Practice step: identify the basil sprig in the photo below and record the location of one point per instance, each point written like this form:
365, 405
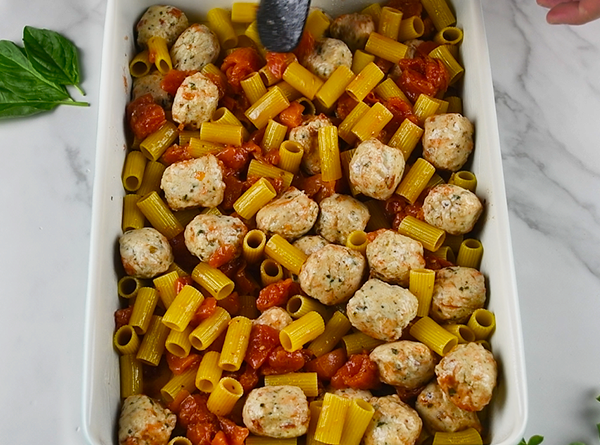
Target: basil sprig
34, 78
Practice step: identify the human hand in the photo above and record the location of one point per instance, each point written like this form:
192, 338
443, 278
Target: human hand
571, 12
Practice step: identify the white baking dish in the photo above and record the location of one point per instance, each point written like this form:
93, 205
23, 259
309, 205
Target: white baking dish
101, 400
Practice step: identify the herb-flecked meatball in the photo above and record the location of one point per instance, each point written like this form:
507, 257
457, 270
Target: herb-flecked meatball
145, 252
277, 411
310, 243
327, 56
332, 274
468, 375
447, 140
306, 135
207, 235
353, 29
394, 423
457, 292
144, 422
150, 84
195, 48
452, 209
195, 101
161, 21
341, 215
382, 310
408, 364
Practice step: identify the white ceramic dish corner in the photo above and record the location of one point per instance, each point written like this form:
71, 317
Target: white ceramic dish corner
101, 380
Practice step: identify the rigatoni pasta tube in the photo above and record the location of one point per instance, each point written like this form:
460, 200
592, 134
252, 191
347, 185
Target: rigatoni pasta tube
358, 417
389, 22
153, 344
332, 418
306, 381
264, 170
431, 237
223, 398
454, 69
317, 23
133, 218
128, 286
374, 10
197, 147
253, 246
209, 329
470, 253
267, 107
179, 440
373, 121
411, 28
209, 372
464, 179
300, 305
285, 254
178, 343
220, 23
140, 65
290, 156
450, 35
386, 48
302, 80
183, 308
427, 331
222, 133
253, 86
159, 215
445, 253
301, 331
152, 176
334, 87
415, 180
335, 329
424, 107
133, 170
274, 135
463, 333
358, 342
183, 381
360, 60
482, 322
243, 12
421, 282
126, 340
236, 344
470, 436
213, 280
143, 308
406, 137
248, 307
132, 375
158, 53
365, 81
156, 143
253, 199
440, 13
329, 152
270, 272
345, 128
165, 285
388, 89
357, 240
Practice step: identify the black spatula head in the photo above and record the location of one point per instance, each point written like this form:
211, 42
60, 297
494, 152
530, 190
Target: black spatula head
281, 22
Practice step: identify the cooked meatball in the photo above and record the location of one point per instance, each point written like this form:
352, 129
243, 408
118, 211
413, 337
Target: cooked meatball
194, 183
307, 136
440, 414
391, 257
145, 252
150, 84
291, 215
452, 208
468, 374
394, 423
408, 364
341, 215
144, 422
195, 48
206, 235
310, 244
276, 317
276, 411
382, 310
162, 21
376, 169
195, 101
457, 292
447, 140
332, 274
353, 29
327, 56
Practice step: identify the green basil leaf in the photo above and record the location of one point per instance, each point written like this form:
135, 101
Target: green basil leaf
52, 55
18, 76
12, 105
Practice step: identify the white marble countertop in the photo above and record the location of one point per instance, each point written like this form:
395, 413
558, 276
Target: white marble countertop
547, 86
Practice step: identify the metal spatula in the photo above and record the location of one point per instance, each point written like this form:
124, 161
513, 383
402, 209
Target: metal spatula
281, 22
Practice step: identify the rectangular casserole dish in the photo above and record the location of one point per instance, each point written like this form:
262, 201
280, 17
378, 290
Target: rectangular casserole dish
101, 400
